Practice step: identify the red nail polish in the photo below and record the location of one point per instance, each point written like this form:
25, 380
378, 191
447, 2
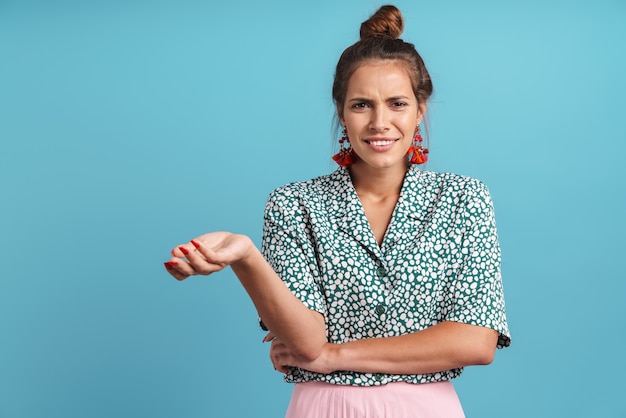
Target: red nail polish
184, 250
173, 263
195, 243
168, 265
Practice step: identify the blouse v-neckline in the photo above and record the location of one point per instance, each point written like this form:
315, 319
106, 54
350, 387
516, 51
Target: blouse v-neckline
400, 225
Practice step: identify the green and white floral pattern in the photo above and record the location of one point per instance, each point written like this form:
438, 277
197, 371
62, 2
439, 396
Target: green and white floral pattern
439, 261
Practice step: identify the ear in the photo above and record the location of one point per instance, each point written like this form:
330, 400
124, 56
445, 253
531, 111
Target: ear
340, 115
421, 111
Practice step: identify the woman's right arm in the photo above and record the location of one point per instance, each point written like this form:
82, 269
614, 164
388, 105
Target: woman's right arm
298, 327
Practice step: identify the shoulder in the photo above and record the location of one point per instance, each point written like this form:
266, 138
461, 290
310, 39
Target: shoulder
312, 189
445, 195
454, 188
451, 181
306, 202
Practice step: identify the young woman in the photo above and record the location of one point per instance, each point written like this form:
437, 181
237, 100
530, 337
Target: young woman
380, 281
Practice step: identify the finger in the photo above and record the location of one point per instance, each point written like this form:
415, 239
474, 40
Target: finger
209, 254
177, 252
282, 369
190, 246
281, 364
278, 361
277, 347
183, 267
171, 267
199, 262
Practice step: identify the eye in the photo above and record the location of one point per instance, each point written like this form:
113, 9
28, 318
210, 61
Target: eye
399, 104
359, 105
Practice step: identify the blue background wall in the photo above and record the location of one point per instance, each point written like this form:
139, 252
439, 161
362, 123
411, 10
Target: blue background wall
127, 127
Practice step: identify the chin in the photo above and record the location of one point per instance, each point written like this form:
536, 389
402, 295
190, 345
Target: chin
384, 164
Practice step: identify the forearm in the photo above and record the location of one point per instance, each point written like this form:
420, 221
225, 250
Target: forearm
301, 329
445, 346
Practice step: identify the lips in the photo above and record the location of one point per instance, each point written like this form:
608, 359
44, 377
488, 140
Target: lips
380, 144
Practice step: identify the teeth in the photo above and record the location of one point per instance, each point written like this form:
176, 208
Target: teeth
381, 143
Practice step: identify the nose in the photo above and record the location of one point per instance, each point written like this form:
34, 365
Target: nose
380, 120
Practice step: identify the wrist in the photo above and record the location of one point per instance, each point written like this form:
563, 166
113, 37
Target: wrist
248, 254
333, 356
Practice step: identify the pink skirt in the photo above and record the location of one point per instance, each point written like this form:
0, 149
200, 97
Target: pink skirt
396, 400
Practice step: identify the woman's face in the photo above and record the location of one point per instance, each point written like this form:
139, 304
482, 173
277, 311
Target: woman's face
380, 114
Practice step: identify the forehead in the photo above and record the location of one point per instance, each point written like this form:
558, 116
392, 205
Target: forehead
378, 76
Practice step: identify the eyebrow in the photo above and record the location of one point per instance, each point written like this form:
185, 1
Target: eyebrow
359, 99
390, 99
398, 98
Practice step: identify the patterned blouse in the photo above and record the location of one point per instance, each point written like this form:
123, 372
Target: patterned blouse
439, 261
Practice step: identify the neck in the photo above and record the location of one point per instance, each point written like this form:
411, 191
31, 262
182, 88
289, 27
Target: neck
378, 182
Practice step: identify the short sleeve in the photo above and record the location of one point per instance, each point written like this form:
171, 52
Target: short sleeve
288, 247
478, 297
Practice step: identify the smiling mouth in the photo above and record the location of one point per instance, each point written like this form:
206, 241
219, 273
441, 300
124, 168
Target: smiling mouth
380, 142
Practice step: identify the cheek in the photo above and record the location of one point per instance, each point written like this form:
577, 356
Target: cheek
411, 124
353, 124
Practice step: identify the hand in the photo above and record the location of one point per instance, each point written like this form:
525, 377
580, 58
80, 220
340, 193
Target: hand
208, 254
282, 358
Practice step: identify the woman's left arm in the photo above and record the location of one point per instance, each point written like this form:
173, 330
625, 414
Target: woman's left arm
447, 345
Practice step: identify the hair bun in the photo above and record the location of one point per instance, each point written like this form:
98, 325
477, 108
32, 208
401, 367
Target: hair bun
387, 21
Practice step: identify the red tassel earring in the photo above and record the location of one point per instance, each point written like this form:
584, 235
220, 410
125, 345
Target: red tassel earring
344, 156
419, 154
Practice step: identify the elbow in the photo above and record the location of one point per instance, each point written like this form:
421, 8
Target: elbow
483, 352
484, 356
308, 353
310, 347
482, 349
307, 356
